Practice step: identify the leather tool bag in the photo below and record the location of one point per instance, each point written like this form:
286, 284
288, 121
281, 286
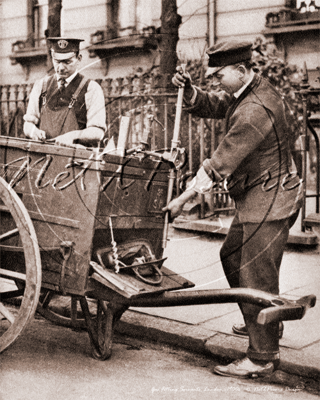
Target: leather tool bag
135, 256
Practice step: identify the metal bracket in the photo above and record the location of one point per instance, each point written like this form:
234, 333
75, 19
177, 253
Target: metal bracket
66, 249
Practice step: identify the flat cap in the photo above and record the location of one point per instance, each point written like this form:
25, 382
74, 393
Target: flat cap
64, 48
229, 53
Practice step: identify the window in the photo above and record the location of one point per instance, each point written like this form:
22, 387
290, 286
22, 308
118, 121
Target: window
129, 27
33, 47
38, 17
134, 16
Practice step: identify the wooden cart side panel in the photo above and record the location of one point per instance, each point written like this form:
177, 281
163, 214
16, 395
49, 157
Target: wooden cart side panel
71, 195
61, 199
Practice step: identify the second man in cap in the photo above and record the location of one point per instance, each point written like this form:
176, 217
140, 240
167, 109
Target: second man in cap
254, 159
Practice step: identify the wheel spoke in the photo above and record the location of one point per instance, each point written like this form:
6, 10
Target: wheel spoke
74, 309
12, 274
11, 294
9, 234
20, 264
68, 315
6, 313
46, 299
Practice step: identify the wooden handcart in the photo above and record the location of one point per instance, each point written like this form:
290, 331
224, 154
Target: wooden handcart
88, 226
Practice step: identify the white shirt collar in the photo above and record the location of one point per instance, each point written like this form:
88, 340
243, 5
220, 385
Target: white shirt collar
243, 88
69, 79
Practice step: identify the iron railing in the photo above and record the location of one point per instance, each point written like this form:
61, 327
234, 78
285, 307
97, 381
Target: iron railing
140, 98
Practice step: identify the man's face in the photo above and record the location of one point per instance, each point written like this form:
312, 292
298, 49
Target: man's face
229, 79
65, 68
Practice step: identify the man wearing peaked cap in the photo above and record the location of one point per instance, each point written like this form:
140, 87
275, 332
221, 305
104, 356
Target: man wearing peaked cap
227, 53
66, 107
254, 159
64, 48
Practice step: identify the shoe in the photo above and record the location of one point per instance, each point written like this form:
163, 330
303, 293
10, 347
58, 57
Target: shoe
242, 330
244, 369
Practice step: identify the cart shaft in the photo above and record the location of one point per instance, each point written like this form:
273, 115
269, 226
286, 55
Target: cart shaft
274, 308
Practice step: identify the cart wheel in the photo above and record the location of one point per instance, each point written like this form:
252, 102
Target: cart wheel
20, 269
101, 328
102, 348
61, 310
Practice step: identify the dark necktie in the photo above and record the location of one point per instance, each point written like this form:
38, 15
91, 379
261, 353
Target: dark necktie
61, 84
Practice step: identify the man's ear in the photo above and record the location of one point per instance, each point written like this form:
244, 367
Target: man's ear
242, 70
79, 57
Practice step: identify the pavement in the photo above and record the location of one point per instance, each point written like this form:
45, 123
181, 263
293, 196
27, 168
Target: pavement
208, 328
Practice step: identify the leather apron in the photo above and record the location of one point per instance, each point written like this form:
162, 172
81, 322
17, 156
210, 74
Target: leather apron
56, 121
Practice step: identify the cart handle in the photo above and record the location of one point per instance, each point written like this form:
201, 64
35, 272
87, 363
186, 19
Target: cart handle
288, 311
274, 308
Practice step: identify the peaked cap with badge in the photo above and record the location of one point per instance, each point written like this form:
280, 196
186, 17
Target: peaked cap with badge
64, 48
227, 53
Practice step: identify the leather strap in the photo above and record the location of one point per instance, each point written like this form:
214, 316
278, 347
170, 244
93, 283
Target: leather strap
77, 92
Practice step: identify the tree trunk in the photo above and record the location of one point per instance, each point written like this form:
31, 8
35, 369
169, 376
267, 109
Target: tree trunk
54, 24
170, 22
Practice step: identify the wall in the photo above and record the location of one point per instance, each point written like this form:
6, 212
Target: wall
241, 19
12, 28
79, 18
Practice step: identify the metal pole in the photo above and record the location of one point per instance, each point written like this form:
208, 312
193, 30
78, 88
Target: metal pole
174, 145
305, 142
201, 133
190, 144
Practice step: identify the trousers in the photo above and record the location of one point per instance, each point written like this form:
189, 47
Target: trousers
251, 256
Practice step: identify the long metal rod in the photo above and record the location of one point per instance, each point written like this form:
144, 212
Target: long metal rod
317, 195
201, 134
174, 145
175, 139
305, 142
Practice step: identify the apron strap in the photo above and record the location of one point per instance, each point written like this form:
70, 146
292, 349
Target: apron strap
43, 95
74, 97
77, 92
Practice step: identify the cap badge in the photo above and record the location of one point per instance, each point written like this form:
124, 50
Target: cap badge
62, 44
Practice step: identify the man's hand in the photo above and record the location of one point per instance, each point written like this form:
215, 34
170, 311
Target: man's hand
38, 134
176, 205
67, 139
183, 79
34, 133
174, 208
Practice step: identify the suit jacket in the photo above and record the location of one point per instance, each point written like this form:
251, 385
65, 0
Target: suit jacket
254, 154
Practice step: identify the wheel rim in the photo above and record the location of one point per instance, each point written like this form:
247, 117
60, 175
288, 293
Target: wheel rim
27, 276
61, 310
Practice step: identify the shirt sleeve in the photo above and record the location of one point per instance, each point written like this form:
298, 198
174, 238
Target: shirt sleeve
201, 183
33, 112
95, 104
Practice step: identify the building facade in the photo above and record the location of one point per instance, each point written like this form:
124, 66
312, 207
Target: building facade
123, 37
